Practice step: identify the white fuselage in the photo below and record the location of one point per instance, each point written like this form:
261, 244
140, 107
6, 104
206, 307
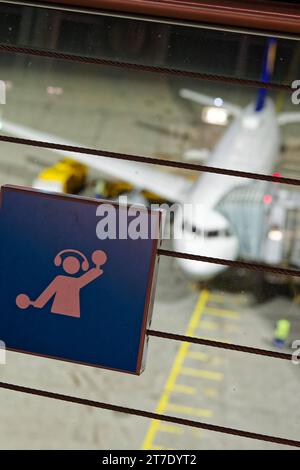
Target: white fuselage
250, 144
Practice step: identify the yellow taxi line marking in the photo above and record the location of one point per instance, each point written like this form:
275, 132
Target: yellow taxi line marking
222, 313
184, 389
188, 410
161, 448
177, 364
202, 374
169, 428
208, 325
216, 361
232, 300
229, 328
211, 392
197, 355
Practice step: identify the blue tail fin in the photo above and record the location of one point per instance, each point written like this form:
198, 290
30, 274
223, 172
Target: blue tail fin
267, 71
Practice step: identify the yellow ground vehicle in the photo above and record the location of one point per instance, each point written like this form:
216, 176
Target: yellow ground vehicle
113, 189
116, 188
65, 176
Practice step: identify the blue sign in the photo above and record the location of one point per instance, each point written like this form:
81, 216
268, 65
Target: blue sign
67, 291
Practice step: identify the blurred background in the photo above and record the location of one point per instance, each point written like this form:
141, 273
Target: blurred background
134, 112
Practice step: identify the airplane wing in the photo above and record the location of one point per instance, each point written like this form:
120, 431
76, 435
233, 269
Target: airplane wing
206, 100
288, 118
143, 176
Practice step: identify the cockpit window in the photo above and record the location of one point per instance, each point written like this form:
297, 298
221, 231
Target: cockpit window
212, 233
217, 233
206, 233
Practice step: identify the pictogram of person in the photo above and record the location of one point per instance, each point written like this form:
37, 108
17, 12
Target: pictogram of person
66, 289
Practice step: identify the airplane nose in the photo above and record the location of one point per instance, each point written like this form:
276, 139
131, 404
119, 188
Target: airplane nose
198, 270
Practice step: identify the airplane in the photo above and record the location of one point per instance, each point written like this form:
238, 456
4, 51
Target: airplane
251, 143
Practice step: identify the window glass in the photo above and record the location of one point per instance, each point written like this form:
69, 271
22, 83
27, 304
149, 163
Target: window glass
210, 122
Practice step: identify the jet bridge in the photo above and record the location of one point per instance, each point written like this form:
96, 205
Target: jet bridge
266, 220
